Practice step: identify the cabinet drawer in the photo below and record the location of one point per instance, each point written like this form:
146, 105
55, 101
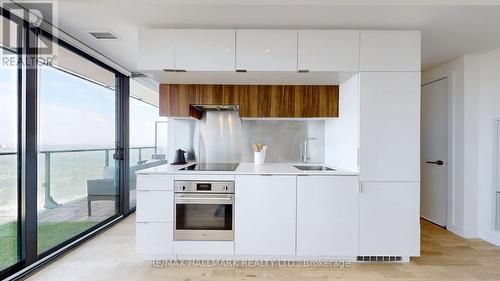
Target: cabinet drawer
204, 248
155, 182
155, 206
154, 238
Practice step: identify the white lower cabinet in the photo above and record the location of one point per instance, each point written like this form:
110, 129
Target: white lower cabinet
265, 213
327, 214
155, 182
154, 238
389, 221
204, 248
155, 206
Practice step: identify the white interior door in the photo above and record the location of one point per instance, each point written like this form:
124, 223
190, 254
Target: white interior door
434, 152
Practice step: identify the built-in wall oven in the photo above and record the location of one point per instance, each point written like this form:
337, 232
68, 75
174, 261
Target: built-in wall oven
204, 210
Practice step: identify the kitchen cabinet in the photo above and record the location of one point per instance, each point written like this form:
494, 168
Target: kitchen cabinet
155, 182
205, 50
390, 51
265, 215
156, 49
255, 101
154, 238
155, 206
389, 219
328, 50
266, 50
278, 50
289, 101
204, 248
216, 94
175, 100
320, 101
327, 215
389, 126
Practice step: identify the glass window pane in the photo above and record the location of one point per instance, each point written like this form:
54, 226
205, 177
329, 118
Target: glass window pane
145, 151
77, 187
8, 152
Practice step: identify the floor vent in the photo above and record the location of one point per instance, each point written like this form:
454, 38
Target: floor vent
379, 258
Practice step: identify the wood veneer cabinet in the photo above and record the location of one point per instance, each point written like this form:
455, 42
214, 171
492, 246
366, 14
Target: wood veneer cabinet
255, 101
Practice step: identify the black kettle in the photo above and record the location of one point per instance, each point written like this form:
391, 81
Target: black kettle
180, 158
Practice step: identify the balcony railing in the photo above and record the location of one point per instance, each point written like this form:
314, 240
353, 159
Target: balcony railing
49, 202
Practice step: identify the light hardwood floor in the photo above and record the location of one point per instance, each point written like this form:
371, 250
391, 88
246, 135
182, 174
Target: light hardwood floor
111, 256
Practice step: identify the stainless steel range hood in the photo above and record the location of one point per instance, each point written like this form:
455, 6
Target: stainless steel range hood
216, 107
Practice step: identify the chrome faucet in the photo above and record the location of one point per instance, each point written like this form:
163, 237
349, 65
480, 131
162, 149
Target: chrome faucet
305, 152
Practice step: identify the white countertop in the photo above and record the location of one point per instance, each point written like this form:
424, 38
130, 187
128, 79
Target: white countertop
250, 169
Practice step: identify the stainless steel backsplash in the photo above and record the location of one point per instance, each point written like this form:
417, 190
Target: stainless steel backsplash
181, 135
284, 139
220, 137
223, 137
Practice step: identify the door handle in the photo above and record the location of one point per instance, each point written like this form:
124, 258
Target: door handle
438, 162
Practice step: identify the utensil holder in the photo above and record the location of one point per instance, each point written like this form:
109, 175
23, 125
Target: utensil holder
259, 157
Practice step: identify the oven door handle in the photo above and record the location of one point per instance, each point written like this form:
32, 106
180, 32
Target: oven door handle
189, 199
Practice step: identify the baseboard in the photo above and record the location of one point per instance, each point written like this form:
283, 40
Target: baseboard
492, 237
460, 232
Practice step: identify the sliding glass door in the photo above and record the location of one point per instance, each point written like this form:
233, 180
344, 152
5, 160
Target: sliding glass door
148, 133
9, 196
63, 133
77, 176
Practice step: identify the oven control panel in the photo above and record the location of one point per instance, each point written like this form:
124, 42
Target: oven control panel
204, 186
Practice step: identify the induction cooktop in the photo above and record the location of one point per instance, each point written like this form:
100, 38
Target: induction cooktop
220, 167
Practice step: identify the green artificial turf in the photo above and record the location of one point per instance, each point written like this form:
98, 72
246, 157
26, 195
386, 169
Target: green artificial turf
50, 234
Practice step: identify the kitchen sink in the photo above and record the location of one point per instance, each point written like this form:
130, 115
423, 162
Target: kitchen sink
313, 168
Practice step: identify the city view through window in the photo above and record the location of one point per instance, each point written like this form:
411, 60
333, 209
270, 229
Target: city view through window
77, 184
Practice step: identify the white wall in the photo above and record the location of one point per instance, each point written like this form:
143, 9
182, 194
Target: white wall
341, 134
489, 110
474, 88
462, 205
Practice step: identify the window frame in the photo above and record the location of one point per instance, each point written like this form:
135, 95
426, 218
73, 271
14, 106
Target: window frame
29, 260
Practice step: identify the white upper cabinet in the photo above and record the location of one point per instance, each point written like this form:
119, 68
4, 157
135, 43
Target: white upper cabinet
156, 49
266, 50
390, 51
389, 126
328, 50
205, 50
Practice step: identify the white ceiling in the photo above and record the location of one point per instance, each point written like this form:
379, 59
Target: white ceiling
448, 31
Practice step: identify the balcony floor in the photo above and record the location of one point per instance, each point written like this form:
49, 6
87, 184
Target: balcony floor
76, 211
111, 256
